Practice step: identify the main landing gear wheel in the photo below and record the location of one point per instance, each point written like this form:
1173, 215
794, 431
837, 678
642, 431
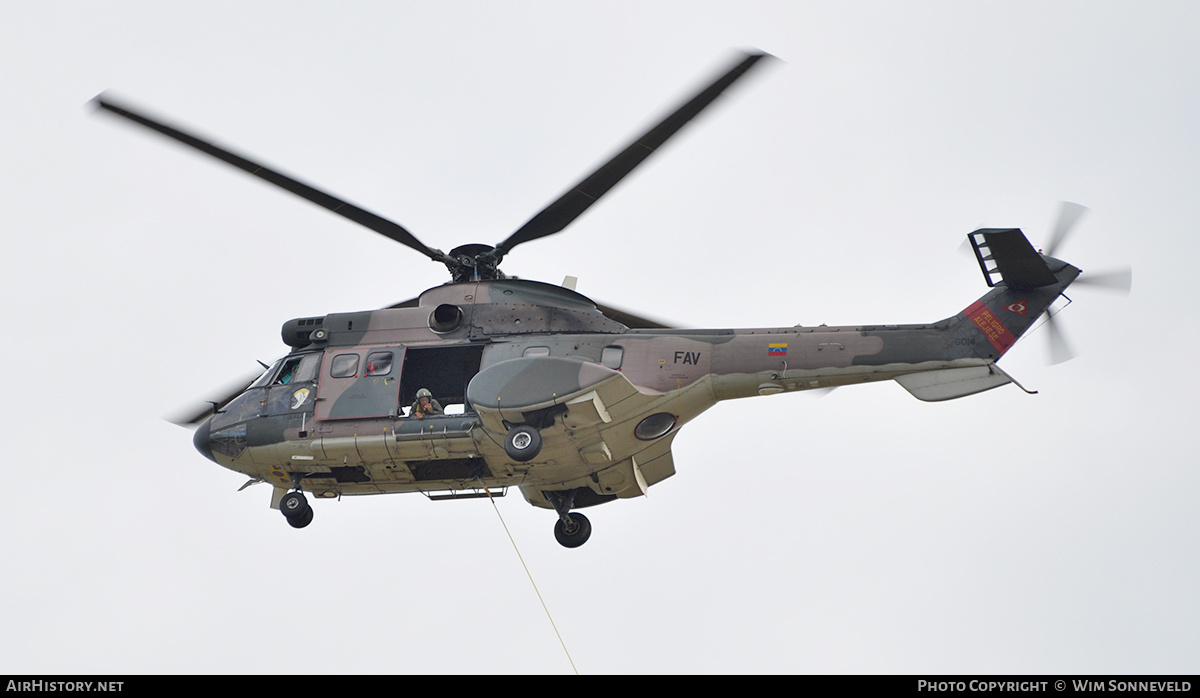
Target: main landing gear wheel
523, 443
296, 509
573, 530
301, 520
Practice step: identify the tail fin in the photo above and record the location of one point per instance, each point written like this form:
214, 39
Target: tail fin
1006, 252
1024, 283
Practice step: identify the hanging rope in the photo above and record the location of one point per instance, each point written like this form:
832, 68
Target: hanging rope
530, 575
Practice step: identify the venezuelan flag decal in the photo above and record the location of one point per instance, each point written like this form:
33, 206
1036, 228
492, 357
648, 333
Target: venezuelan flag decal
777, 349
991, 326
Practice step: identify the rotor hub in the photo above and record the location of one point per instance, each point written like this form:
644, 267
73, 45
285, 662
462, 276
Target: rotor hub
474, 262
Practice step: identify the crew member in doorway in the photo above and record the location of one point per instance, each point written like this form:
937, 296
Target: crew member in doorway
425, 406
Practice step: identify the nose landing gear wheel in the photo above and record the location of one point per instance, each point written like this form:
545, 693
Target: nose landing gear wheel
523, 443
574, 533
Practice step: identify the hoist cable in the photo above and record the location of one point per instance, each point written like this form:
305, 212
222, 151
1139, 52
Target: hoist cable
530, 575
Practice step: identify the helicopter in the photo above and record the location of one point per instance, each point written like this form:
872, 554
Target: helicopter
489, 382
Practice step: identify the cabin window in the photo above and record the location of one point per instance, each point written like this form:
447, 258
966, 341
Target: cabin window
611, 357
344, 366
379, 363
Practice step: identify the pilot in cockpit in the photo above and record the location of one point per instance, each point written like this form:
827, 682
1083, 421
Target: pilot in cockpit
425, 405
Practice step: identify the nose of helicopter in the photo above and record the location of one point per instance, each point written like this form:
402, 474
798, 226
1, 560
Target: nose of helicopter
202, 439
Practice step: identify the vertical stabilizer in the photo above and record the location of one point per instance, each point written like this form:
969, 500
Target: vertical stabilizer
1024, 283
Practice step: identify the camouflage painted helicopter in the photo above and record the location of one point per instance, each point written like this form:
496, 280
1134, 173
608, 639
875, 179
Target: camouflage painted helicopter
574, 403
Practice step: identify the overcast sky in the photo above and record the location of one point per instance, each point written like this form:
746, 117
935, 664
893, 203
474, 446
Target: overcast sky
863, 531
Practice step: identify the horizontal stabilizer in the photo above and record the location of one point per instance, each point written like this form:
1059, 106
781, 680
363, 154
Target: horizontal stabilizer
950, 383
1007, 254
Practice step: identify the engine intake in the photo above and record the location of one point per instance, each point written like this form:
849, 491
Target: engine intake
445, 318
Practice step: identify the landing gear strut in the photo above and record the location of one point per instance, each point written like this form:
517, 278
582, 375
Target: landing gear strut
296, 509
571, 530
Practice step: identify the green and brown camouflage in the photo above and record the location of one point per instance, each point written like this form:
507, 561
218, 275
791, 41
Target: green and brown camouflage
573, 403
330, 416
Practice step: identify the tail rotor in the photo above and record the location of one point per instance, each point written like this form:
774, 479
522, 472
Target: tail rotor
1059, 349
1120, 279
1068, 217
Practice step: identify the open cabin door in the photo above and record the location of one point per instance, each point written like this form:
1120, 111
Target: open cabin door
444, 371
359, 382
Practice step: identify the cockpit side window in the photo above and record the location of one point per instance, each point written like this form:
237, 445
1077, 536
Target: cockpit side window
307, 370
298, 369
266, 376
287, 374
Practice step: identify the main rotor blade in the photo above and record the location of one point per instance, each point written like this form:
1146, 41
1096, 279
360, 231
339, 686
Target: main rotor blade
343, 208
1068, 215
192, 416
570, 205
631, 320
624, 317
410, 303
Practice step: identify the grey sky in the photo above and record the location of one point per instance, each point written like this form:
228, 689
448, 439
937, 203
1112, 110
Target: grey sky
860, 532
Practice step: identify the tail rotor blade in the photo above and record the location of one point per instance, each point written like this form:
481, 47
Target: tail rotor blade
1068, 215
965, 248
1060, 350
1120, 280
